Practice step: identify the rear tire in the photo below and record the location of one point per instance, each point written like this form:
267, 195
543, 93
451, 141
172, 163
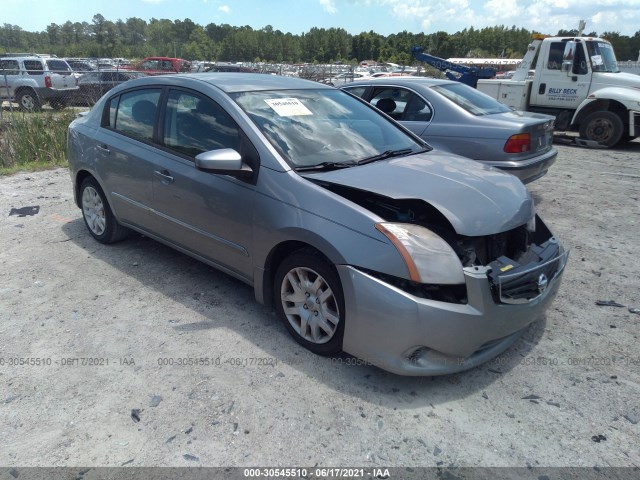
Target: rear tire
97, 214
309, 301
29, 101
604, 127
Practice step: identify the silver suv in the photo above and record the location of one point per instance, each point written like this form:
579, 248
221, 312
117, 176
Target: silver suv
32, 81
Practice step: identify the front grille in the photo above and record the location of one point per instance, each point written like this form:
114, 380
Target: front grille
525, 280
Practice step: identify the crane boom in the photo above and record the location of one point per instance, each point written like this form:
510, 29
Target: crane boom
454, 71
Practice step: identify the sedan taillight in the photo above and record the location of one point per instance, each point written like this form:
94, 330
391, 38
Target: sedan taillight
47, 82
518, 143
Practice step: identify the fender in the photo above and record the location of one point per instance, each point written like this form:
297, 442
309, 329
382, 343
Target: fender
629, 98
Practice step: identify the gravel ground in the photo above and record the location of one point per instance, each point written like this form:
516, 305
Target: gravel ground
110, 335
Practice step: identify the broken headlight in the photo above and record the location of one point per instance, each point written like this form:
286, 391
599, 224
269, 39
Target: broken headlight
429, 259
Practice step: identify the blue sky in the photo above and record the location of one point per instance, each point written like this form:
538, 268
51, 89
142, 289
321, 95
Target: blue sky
355, 16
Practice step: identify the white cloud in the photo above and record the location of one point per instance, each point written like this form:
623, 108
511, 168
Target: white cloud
329, 6
503, 10
545, 16
429, 15
224, 9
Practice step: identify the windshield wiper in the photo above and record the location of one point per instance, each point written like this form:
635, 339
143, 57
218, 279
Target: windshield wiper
326, 166
386, 154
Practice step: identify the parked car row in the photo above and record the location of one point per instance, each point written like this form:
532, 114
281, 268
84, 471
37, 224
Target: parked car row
33, 81
364, 238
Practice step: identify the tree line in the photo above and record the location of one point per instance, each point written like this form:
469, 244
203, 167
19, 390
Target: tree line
137, 38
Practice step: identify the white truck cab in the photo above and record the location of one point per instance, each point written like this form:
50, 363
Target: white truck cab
576, 79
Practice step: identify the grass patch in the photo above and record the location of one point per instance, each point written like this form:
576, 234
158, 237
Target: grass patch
33, 141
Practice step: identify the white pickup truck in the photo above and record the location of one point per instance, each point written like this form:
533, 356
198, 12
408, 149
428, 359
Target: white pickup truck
577, 80
33, 80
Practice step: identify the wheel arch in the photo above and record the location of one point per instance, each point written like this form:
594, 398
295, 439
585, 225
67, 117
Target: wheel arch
599, 105
26, 88
80, 177
264, 288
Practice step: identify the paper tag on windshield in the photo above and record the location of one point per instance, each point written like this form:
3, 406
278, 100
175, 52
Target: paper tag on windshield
596, 59
288, 107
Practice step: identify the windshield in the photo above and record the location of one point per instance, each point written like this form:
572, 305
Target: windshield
473, 101
314, 127
603, 59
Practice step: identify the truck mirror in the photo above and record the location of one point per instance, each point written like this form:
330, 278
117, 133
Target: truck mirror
567, 56
569, 50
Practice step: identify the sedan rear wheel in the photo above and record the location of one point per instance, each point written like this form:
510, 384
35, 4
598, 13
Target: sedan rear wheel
309, 301
97, 214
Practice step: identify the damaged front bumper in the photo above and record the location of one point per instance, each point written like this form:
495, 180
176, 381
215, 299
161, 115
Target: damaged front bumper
410, 335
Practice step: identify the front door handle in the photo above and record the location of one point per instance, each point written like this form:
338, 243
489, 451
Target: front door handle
164, 176
104, 148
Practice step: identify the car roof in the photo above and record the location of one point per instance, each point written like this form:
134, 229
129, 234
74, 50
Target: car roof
405, 81
165, 58
231, 82
28, 57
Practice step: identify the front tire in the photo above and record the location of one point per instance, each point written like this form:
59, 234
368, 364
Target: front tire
309, 301
58, 104
97, 214
604, 127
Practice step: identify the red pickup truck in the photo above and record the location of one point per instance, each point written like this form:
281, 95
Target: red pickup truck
161, 65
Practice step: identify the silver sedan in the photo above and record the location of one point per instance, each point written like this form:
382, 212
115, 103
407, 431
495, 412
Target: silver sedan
456, 118
364, 240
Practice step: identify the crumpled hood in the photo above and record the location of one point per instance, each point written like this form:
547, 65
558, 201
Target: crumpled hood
476, 199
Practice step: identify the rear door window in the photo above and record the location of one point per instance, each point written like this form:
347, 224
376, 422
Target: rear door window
401, 104
470, 99
34, 67
134, 113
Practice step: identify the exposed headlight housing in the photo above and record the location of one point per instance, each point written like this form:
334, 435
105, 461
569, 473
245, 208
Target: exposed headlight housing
429, 259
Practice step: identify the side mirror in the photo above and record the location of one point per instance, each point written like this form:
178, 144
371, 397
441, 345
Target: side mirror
224, 161
568, 55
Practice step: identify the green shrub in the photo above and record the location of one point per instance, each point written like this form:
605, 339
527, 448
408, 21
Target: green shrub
33, 141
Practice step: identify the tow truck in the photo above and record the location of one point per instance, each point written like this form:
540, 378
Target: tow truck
576, 79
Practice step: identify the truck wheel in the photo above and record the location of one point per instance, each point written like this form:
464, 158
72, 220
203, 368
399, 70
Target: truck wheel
28, 101
604, 127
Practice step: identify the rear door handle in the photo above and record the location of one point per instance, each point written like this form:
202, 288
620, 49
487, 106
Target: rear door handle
104, 148
164, 176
